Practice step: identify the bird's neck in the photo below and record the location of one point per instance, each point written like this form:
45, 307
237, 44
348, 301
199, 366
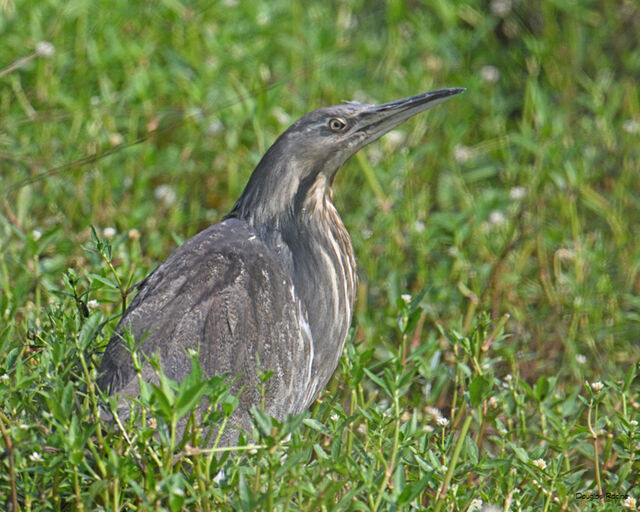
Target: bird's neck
324, 275
268, 199
293, 213
302, 226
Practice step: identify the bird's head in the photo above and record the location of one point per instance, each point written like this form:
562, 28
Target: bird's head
298, 170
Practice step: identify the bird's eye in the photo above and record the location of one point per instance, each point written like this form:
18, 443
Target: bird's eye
336, 124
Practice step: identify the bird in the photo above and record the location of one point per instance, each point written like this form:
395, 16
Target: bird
271, 287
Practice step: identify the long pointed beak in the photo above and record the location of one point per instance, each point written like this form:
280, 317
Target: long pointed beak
377, 120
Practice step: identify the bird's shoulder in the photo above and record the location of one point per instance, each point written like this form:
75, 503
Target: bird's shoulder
226, 254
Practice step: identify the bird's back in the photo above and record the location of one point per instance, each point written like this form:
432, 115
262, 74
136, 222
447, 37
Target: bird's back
229, 296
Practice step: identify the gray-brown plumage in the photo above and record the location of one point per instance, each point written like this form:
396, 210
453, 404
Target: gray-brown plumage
273, 283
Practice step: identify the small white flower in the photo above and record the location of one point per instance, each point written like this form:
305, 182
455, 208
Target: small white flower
366, 233
335, 416
444, 468
432, 411
93, 304
4, 377
453, 251
497, 218
517, 193
493, 402
215, 127
434, 63
419, 226
395, 138
442, 421
597, 386
500, 7
581, 359
24, 426
263, 18
109, 232
508, 378
36, 234
115, 139
374, 154
35, 457
345, 19
45, 49
166, 194
461, 153
475, 505
406, 298
629, 503
631, 126
633, 423
540, 463
565, 254
490, 74
133, 234
281, 116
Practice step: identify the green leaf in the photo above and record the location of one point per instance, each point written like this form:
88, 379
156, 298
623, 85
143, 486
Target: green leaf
94, 235
194, 376
62, 407
470, 450
103, 280
262, 420
229, 405
316, 425
495, 463
629, 377
479, 389
521, 453
412, 491
541, 389
399, 483
319, 451
89, 331
381, 383
187, 398
163, 399
245, 493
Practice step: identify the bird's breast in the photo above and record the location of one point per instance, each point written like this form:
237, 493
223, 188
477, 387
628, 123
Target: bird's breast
324, 277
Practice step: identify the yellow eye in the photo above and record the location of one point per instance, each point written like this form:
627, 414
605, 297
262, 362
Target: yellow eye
337, 124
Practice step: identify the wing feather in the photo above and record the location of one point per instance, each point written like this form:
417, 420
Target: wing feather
227, 295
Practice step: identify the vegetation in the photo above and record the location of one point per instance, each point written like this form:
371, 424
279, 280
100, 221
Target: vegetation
494, 351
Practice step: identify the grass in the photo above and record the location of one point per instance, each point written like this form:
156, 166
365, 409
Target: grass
494, 354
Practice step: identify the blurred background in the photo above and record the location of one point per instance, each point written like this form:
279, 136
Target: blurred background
520, 197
